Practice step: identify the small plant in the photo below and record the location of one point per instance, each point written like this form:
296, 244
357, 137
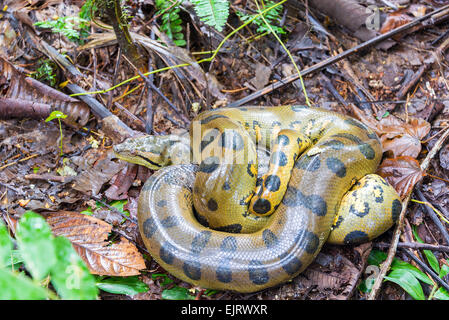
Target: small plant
57, 115
171, 21
46, 72
407, 276
74, 28
273, 17
47, 259
174, 293
87, 9
214, 13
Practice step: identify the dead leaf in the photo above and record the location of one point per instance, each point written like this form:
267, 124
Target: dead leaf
404, 139
395, 20
89, 238
402, 173
397, 136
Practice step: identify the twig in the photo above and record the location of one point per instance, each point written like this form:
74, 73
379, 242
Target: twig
397, 232
433, 216
21, 160
336, 58
415, 246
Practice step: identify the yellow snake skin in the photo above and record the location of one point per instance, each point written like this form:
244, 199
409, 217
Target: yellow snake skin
209, 217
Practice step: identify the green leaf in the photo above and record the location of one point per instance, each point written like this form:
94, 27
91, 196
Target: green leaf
36, 246
15, 286
408, 282
376, 257
177, 293
444, 270
122, 285
5, 246
15, 260
56, 115
166, 280
180, 42
433, 261
70, 276
441, 294
402, 265
212, 12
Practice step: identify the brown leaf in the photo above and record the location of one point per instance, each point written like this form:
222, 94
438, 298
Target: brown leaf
23, 96
404, 139
397, 136
395, 20
89, 238
402, 173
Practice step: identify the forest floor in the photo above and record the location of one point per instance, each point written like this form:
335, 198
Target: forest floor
399, 87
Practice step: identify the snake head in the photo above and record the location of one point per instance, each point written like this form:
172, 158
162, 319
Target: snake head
155, 152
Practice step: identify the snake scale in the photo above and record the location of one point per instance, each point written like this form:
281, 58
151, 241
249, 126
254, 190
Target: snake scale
217, 215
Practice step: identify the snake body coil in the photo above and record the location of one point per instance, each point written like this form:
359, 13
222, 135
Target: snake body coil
211, 225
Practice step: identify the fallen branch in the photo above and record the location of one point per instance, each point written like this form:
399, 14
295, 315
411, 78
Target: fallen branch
338, 57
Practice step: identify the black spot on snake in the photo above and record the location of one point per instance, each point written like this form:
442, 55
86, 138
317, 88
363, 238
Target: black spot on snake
224, 272
355, 123
209, 164
167, 253
212, 205
161, 203
201, 219
200, 241
231, 139
258, 273
269, 238
357, 212
290, 263
279, 158
282, 140
249, 169
336, 166
380, 197
261, 206
396, 209
308, 241
208, 138
295, 198
308, 163
213, 117
338, 223
356, 237
334, 144
272, 183
226, 186
229, 244
170, 222
149, 227
192, 269
231, 228
372, 135
316, 204
367, 151
348, 136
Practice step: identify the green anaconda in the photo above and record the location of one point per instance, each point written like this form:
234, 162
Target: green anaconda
210, 218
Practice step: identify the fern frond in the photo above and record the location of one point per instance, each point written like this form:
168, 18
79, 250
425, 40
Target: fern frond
212, 12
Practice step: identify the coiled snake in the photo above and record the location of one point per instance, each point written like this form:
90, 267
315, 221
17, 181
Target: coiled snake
211, 224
